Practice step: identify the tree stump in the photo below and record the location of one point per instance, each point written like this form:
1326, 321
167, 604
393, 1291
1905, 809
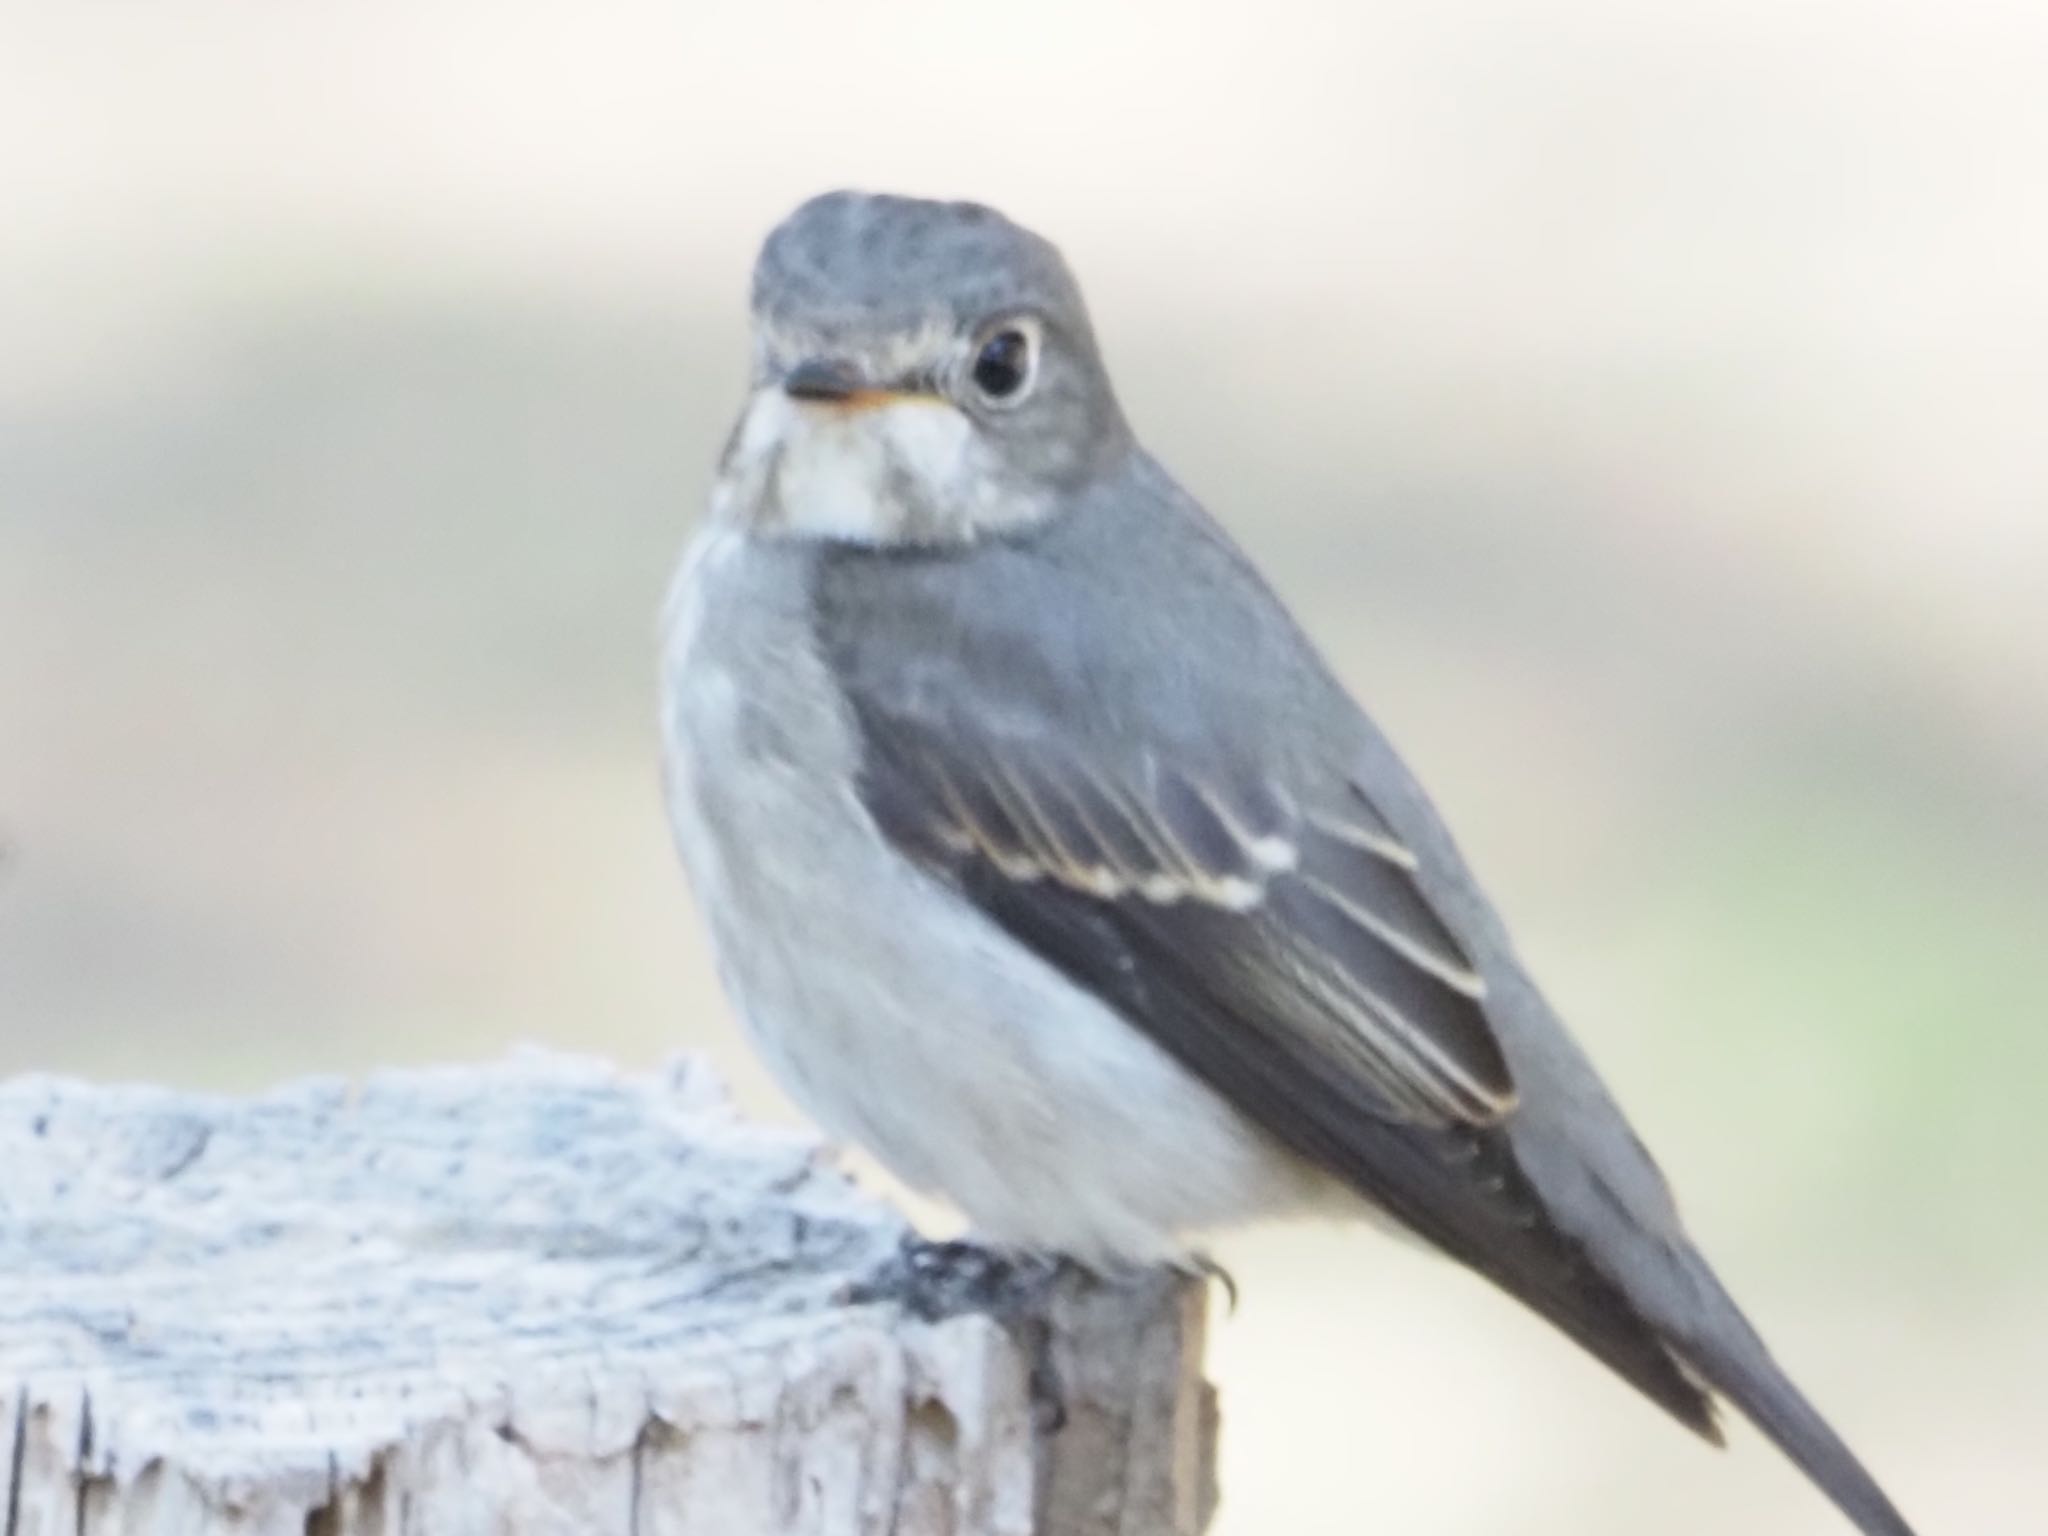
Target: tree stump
542, 1297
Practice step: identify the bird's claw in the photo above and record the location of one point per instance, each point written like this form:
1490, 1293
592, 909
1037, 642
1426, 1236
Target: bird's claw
1202, 1267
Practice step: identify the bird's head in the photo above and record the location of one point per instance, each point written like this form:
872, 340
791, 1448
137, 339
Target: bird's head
924, 373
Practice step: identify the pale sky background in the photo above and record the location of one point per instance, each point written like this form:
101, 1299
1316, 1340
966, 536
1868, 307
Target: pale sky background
1645, 404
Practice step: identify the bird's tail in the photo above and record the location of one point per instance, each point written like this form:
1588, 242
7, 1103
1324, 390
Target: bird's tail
1741, 1369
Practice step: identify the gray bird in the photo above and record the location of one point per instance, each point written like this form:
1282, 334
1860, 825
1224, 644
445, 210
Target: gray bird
1044, 857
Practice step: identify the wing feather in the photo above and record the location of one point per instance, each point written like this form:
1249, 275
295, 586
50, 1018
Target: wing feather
1314, 931
1243, 901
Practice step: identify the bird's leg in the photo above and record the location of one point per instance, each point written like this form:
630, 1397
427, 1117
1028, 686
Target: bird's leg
933, 1281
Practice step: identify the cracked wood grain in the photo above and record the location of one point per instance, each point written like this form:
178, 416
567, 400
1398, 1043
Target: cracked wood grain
539, 1296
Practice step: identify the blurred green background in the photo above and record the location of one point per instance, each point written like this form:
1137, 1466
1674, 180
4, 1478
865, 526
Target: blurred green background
1648, 407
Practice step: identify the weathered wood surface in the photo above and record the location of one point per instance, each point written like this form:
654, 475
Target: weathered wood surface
536, 1297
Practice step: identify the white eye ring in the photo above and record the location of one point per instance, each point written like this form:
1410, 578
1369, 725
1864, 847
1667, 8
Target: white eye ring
1004, 363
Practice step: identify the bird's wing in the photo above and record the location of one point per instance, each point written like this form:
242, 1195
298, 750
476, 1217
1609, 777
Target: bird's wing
1300, 920
1270, 935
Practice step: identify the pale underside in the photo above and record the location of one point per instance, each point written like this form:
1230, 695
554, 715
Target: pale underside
899, 1017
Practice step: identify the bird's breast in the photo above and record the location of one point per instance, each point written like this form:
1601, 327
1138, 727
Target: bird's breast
897, 1015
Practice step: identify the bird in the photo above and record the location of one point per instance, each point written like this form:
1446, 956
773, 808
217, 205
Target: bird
1044, 856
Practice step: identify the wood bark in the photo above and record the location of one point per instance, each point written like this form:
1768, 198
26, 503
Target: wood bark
541, 1296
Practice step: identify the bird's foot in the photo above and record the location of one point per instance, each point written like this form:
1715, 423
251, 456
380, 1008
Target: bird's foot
935, 1281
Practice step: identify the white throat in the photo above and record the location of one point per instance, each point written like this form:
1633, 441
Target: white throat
910, 470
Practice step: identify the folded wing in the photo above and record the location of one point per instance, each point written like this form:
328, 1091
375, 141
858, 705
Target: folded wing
1304, 920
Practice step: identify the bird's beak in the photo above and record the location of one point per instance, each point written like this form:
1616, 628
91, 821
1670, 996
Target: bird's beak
822, 379
837, 383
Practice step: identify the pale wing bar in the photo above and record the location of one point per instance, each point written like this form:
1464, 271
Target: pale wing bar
1329, 928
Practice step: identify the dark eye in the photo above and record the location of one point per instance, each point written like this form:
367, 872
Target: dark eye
1003, 365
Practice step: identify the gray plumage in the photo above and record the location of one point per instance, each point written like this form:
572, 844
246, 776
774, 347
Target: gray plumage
1044, 856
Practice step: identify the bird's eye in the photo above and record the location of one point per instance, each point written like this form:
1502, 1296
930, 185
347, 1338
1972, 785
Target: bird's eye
1002, 367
